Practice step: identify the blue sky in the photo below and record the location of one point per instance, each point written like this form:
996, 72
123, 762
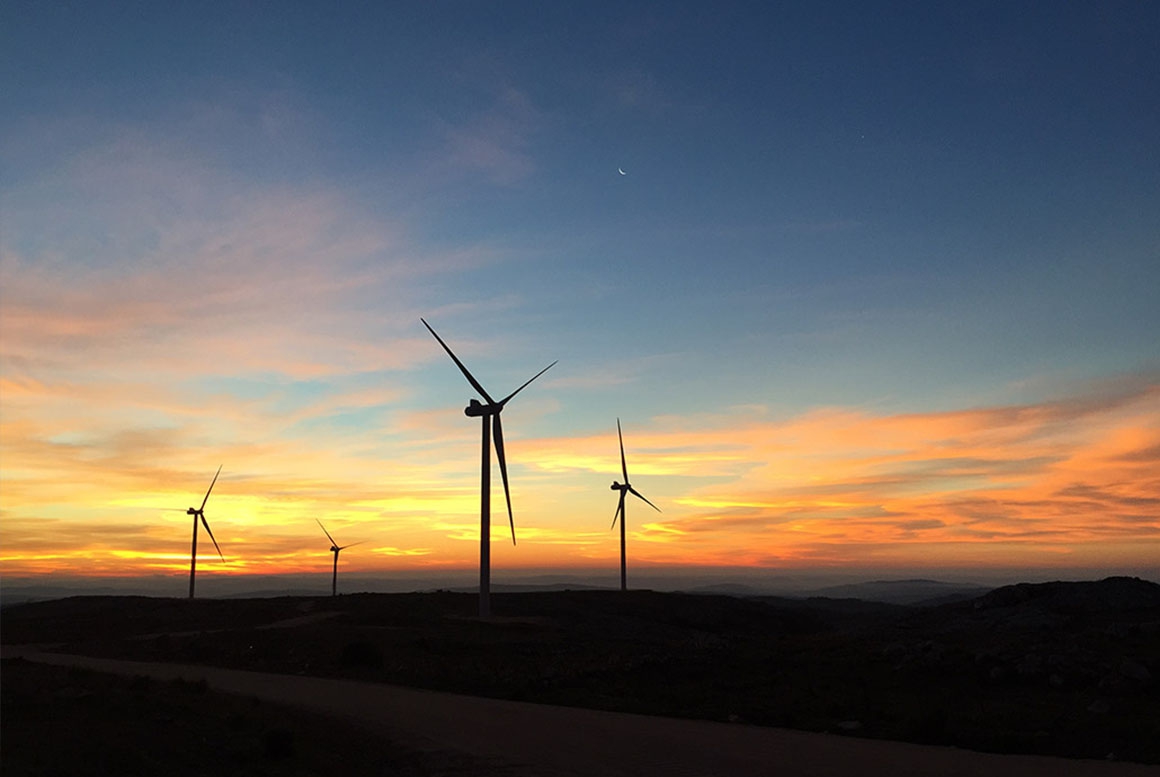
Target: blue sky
886, 208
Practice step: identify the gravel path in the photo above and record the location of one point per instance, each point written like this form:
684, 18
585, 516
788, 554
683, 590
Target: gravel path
518, 738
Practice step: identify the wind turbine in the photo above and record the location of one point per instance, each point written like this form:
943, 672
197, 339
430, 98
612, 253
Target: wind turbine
477, 409
334, 548
625, 489
198, 513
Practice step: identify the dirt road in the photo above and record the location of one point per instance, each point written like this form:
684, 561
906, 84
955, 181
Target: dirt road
548, 741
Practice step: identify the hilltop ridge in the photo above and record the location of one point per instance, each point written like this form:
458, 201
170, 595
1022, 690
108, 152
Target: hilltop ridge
1050, 668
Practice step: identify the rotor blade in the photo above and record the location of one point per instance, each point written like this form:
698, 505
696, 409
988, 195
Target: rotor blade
206, 525
623, 466
470, 378
497, 432
503, 401
619, 511
650, 504
324, 531
344, 547
215, 477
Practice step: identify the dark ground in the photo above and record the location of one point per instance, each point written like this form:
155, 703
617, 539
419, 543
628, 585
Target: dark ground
1059, 668
59, 721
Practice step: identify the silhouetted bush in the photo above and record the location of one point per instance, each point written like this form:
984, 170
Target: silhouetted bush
198, 686
361, 655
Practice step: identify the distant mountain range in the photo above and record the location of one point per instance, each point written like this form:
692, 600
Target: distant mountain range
909, 592
905, 591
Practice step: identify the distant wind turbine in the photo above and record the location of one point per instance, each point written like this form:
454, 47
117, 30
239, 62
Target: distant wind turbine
198, 514
334, 548
625, 489
477, 409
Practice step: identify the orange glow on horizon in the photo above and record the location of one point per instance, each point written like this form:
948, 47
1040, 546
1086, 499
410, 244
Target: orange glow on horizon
1065, 482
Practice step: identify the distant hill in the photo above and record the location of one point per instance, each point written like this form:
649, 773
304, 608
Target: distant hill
725, 589
908, 592
1065, 609
515, 588
1112, 594
1067, 669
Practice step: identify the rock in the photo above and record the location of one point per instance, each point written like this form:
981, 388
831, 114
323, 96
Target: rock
894, 650
1135, 671
1030, 666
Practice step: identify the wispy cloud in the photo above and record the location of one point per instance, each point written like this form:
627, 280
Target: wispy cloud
639, 90
1060, 476
1063, 476
177, 315
1060, 482
494, 142
183, 317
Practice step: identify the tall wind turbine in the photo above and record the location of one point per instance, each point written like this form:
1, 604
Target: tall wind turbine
477, 409
198, 514
625, 489
334, 548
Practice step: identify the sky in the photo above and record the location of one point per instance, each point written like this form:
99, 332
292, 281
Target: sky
869, 286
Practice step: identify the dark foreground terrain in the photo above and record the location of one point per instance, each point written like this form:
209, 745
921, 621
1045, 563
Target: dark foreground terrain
1059, 668
64, 721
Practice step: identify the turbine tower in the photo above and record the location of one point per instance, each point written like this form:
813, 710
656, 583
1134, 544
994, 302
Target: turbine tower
334, 548
625, 489
492, 409
198, 514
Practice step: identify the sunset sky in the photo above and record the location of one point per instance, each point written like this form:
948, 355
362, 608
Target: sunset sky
878, 288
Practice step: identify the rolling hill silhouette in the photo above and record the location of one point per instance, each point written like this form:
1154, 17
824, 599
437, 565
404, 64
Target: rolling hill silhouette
1054, 668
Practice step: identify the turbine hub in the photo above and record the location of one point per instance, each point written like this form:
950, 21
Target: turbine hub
476, 409
617, 487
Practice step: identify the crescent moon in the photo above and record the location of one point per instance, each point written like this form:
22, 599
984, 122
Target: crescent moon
619, 170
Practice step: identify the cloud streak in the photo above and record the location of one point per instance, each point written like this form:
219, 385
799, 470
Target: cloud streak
186, 317
1062, 477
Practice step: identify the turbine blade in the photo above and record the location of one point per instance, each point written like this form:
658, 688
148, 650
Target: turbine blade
619, 511
623, 465
497, 432
503, 401
324, 531
470, 378
344, 547
215, 477
208, 531
639, 494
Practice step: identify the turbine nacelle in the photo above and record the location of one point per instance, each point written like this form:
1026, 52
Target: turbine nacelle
616, 486
476, 409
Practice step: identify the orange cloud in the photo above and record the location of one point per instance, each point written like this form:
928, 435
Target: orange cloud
1067, 482
1070, 479
273, 332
